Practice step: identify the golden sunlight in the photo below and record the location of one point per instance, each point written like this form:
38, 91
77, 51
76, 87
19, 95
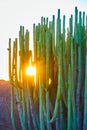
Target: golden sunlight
31, 70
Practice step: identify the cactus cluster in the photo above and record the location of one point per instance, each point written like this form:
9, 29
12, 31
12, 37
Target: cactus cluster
57, 100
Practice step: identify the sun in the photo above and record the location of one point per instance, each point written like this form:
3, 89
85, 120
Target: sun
31, 70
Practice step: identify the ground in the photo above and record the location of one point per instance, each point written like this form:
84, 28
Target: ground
5, 116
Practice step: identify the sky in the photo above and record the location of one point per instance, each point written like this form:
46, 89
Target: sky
14, 13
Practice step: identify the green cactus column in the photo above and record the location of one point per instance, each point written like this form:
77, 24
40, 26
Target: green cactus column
48, 58
14, 78
9, 58
85, 89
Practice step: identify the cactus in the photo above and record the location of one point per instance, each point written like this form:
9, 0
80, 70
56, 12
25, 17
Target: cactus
57, 99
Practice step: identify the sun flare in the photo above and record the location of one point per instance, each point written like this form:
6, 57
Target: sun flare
31, 70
